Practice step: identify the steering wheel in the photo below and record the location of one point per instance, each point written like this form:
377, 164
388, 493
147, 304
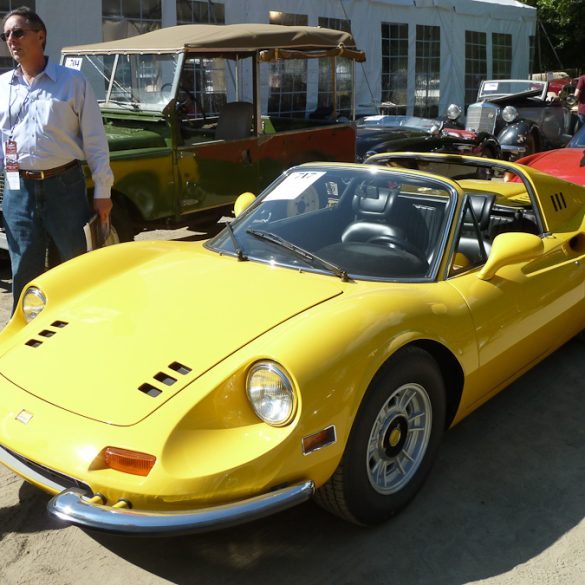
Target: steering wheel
398, 243
165, 92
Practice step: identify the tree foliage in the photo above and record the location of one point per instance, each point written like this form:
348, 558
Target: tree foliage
560, 38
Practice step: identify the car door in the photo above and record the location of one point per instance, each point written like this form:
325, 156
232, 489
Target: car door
524, 311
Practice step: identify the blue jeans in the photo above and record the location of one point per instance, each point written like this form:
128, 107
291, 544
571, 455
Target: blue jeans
56, 207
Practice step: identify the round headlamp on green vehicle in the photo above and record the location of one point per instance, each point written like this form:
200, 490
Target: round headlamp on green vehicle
509, 113
33, 302
271, 394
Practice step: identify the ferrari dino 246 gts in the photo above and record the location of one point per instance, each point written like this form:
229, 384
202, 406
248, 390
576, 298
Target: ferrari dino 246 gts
320, 345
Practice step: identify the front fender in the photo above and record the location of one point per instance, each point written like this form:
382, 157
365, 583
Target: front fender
515, 133
514, 138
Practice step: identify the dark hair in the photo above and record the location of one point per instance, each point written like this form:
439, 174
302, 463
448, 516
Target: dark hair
33, 19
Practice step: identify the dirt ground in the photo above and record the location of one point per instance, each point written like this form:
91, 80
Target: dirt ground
505, 505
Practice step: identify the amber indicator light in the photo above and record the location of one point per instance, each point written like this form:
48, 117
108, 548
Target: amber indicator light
127, 461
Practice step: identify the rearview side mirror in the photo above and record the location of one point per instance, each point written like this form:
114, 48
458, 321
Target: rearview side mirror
511, 248
242, 202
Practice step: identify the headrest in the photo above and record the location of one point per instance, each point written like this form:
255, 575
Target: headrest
482, 204
372, 202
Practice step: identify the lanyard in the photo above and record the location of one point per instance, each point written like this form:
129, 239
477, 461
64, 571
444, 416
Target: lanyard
10, 124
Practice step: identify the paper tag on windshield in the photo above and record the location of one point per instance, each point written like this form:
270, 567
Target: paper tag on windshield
490, 86
74, 62
294, 185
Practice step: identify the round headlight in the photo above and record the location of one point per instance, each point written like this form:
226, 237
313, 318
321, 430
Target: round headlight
270, 393
509, 113
33, 302
454, 111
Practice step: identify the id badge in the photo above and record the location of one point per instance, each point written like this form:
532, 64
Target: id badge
11, 166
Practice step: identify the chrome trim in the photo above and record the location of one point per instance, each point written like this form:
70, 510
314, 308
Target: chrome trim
28, 472
73, 506
513, 148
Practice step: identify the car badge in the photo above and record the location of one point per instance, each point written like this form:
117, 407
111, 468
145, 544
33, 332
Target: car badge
24, 417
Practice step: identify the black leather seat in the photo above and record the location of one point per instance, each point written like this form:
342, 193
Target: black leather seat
372, 209
235, 121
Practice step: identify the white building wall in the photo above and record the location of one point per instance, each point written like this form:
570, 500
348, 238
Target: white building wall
72, 22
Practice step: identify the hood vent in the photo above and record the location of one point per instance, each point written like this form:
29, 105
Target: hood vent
46, 333
165, 379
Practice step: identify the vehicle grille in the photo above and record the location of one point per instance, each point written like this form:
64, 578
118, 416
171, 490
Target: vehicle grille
50, 474
482, 117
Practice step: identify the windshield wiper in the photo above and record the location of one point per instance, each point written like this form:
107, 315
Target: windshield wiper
237, 248
300, 252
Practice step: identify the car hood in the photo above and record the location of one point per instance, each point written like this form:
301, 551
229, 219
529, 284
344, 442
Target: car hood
128, 138
563, 163
172, 318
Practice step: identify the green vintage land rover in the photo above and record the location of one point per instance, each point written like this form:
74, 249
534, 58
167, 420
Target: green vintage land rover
197, 114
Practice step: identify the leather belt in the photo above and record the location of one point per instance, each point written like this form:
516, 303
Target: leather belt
42, 175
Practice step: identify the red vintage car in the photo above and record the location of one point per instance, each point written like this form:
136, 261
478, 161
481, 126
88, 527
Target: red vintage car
565, 163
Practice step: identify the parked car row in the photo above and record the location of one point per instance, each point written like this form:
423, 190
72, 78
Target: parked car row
510, 119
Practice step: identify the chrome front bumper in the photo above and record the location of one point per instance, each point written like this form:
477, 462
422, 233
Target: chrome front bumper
73, 506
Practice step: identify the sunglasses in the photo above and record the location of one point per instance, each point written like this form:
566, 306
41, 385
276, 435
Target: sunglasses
17, 33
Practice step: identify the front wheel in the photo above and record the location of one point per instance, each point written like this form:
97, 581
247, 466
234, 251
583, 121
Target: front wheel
393, 442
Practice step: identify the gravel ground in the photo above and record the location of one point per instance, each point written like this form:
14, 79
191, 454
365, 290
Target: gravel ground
505, 505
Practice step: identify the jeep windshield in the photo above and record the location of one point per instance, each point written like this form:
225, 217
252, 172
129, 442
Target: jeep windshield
132, 81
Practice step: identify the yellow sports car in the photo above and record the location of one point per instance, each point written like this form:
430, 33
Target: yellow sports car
319, 346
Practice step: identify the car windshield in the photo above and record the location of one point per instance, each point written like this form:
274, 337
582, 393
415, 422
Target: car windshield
509, 87
355, 222
137, 82
411, 122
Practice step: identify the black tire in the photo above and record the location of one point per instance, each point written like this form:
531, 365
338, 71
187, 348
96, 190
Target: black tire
382, 432
531, 144
122, 229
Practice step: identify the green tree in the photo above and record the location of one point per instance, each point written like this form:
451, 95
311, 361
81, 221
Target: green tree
560, 35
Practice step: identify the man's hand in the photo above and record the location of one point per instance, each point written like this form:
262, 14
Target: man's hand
103, 207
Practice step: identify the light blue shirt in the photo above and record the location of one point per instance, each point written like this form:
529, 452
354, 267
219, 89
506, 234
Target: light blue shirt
54, 121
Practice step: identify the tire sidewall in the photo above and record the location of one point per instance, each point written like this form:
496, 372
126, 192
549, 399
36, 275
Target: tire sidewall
409, 366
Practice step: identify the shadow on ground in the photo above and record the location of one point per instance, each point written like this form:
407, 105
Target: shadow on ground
509, 482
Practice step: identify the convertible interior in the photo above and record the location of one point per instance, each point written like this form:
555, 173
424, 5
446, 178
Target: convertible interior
380, 224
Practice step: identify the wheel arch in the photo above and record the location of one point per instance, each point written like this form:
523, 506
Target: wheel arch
452, 374
133, 212
449, 367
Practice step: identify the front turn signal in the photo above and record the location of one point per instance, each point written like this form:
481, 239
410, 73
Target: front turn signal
127, 461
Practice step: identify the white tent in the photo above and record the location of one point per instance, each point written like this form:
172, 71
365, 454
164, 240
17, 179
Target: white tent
505, 18
488, 22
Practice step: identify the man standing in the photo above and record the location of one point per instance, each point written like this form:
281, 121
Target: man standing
580, 95
50, 121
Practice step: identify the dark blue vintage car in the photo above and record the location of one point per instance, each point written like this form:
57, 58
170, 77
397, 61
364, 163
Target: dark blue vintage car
386, 133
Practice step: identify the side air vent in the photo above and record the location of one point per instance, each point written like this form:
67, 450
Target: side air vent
558, 201
34, 343
59, 324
